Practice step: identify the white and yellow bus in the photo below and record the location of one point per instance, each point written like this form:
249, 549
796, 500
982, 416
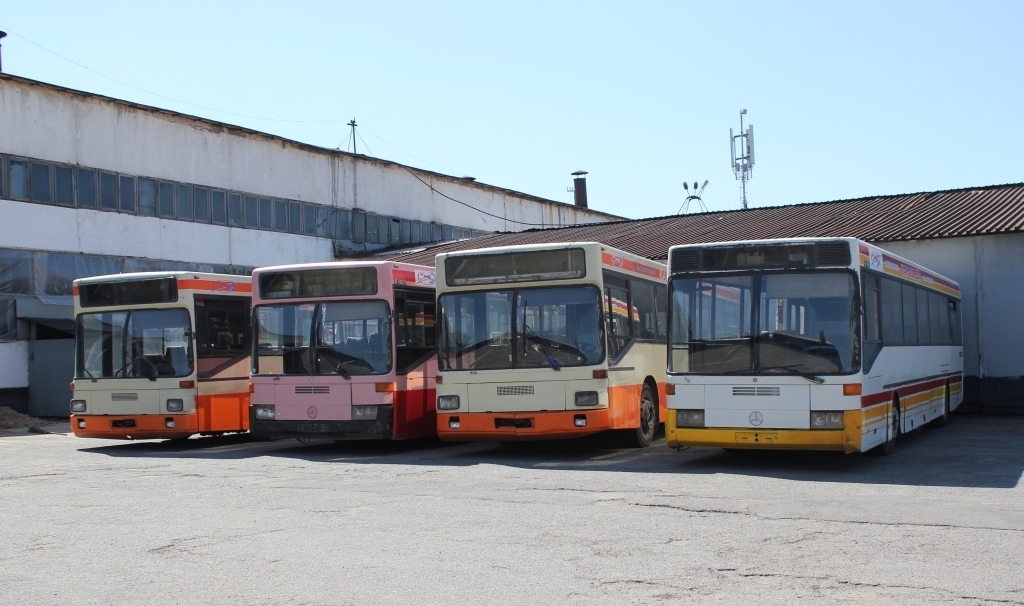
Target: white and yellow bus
828, 344
161, 355
550, 341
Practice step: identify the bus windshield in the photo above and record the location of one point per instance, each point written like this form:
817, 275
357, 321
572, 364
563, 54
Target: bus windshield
521, 328
330, 338
143, 343
765, 323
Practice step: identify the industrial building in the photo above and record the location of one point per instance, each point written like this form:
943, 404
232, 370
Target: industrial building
974, 236
91, 185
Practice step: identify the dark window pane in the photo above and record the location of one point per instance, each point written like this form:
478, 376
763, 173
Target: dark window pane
321, 221
447, 233
436, 232
19, 180
892, 312
64, 187
372, 226
108, 191
358, 226
217, 214
407, 232
184, 202
3, 173
280, 215
127, 194
294, 217
86, 188
147, 197
308, 219
166, 199
909, 314
341, 224
923, 332
257, 214
202, 205
41, 183
266, 213
235, 210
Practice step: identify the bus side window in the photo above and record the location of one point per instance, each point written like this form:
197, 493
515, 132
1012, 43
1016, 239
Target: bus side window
661, 312
222, 327
872, 320
645, 318
414, 328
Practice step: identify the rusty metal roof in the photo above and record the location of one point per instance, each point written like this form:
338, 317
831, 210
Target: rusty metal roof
955, 213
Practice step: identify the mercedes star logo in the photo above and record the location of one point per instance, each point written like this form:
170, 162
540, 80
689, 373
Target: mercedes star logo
756, 418
312, 412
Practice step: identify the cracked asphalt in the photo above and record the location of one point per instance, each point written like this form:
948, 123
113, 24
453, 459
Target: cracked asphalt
230, 520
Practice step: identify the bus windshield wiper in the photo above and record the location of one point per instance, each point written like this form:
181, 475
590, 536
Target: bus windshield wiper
550, 359
812, 378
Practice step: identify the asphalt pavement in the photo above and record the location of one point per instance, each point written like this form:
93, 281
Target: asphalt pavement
233, 520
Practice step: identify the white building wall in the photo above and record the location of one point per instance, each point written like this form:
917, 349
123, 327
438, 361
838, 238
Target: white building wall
13, 364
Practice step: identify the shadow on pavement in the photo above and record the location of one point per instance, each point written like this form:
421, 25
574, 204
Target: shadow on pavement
972, 451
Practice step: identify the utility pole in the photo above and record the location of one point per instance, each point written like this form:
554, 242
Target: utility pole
352, 123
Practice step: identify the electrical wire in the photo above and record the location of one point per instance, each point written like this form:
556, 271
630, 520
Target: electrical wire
483, 212
139, 88
443, 169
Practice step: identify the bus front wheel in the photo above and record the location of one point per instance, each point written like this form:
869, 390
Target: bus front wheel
943, 419
889, 446
642, 436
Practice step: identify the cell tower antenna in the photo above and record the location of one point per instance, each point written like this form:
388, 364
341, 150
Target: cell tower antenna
743, 164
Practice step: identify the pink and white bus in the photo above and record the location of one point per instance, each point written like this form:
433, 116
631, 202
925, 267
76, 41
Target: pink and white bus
343, 350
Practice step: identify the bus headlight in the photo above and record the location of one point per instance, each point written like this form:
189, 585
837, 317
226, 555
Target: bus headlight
447, 402
264, 412
364, 413
826, 420
586, 398
689, 418
77, 405
175, 405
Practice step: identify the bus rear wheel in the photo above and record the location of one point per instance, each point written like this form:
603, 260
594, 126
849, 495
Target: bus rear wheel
642, 436
889, 446
941, 420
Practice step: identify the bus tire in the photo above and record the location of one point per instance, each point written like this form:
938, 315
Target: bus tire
642, 436
889, 446
943, 419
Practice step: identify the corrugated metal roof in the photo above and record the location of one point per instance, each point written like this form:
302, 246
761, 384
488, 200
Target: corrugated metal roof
921, 216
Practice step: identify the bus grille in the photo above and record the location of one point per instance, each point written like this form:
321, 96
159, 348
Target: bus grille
312, 389
755, 391
833, 253
515, 390
124, 397
686, 259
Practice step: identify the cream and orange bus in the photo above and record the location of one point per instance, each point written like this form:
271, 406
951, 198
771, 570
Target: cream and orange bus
550, 341
161, 355
344, 350
829, 344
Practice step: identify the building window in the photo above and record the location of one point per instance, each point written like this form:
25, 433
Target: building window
341, 224
19, 180
280, 215
235, 210
201, 197
86, 181
127, 194
372, 225
257, 213
436, 232
63, 186
294, 217
108, 191
265, 214
358, 226
41, 183
217, 214
447, 233
309, 219
147, 197
166, 199
321, 221
184, 202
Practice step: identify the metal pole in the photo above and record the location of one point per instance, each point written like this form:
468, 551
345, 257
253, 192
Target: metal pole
2, 36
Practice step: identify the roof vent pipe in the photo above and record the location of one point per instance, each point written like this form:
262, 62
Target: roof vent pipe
579, 188
2, 36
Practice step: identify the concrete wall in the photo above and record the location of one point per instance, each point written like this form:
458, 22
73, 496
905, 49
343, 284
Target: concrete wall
13, 365
988, 269
45, 122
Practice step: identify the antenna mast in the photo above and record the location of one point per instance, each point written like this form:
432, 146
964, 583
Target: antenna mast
743, 164
353, 125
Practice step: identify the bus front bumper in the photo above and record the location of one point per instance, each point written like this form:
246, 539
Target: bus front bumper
134, 427
516, 426
380, 428
845, 440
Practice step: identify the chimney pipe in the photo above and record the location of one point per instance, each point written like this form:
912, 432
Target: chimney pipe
2, 36
579, 188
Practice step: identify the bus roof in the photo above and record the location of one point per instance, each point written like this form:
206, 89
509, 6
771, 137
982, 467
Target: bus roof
337, 264
151, 275
553, 246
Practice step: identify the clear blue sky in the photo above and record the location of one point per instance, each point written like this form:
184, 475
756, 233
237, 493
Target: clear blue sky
847, 99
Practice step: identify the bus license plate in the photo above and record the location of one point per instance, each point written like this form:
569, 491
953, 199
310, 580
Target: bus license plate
313, 427
752, 437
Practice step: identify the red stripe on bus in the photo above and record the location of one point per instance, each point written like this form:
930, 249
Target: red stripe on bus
905, 391
404, 275
74, 290
225, 286
629, 265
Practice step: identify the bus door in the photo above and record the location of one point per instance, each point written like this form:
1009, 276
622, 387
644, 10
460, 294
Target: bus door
415, 346
623, 394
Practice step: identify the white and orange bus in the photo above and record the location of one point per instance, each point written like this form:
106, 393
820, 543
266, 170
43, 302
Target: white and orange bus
550, 341
343, 350
161, 355
828, 344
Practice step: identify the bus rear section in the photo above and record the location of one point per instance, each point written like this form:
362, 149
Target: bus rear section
161, 355
771, 346
344, 351
536, 342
